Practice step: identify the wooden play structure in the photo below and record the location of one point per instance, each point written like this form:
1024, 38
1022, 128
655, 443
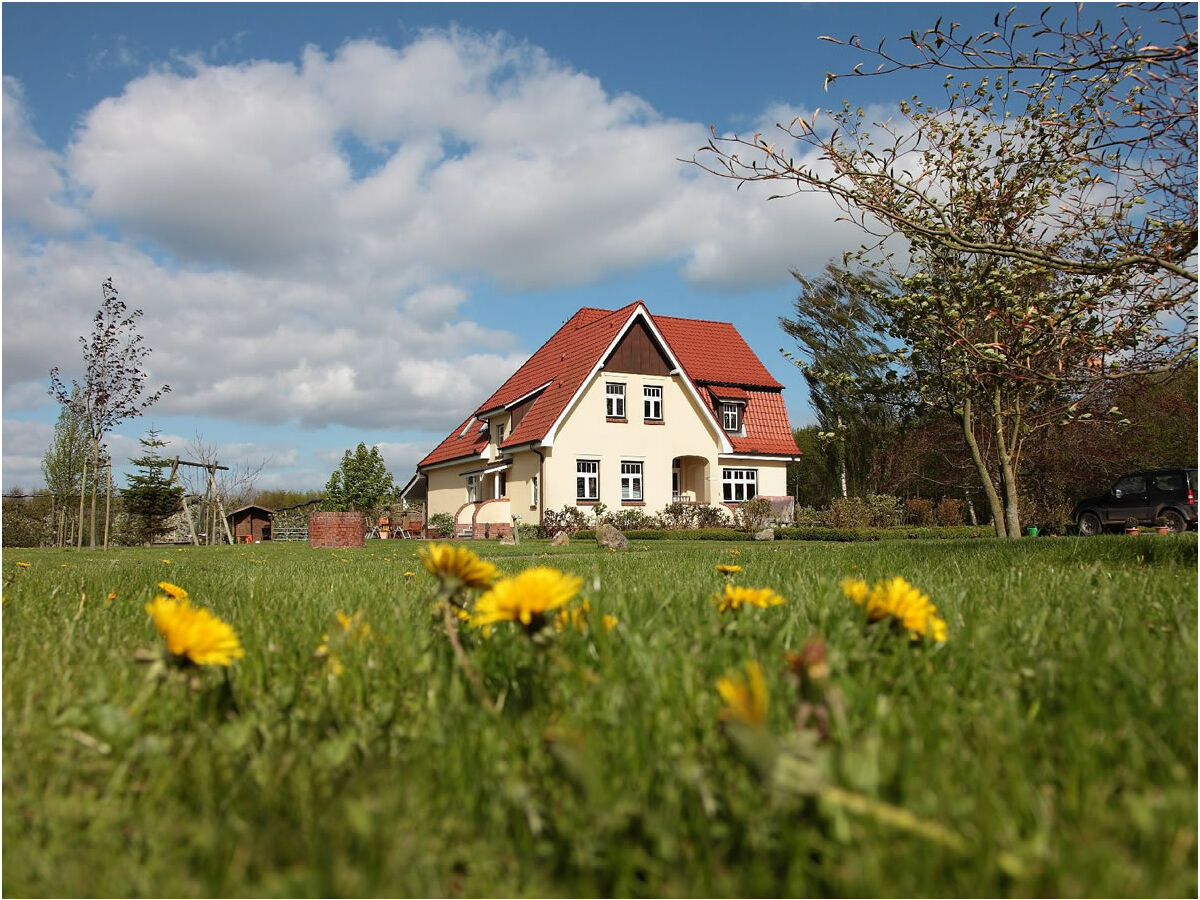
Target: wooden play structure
210, 507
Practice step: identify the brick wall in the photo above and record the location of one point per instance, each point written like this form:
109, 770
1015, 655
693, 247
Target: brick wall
336, 529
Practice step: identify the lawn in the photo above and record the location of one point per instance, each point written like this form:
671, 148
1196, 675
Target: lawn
1047, 747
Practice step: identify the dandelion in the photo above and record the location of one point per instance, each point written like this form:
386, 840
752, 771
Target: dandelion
902, 602
353, 628
23, 565
610, 622
194, 636
526, 598
727, 569
745, 700
457, 567
174, 591
108, 600
734, 598
409, 574
165, 561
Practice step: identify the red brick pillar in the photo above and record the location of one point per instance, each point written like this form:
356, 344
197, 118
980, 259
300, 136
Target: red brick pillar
336, 529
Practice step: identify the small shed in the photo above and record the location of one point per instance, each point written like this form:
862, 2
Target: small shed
251, 524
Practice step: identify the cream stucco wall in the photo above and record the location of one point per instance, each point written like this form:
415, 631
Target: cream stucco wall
585, 433
447, 489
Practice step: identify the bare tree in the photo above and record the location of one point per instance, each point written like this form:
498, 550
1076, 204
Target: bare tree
235, 486
114, 378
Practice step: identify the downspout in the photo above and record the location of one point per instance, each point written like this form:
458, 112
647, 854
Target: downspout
541, 482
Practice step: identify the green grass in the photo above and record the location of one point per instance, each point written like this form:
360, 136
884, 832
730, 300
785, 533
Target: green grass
1054, 733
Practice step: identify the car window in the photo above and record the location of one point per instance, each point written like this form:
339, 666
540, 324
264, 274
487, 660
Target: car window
1131, 484
1168, 484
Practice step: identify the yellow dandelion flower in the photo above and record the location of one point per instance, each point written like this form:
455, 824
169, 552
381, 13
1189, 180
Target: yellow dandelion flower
334, 666
578, 617
745, 699
734, 598
165, 560
462, 614
112, 595
610, 622
727, 569
174, 591
904, 603
458, 566
409, 574
353, 628
23, 565
194, 635
526, 598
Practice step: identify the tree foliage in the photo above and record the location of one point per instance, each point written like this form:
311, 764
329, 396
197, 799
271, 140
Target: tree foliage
1044, 249
362, 482
150, 497
113, 388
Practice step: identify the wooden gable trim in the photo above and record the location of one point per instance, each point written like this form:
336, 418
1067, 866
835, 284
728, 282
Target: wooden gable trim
638, 353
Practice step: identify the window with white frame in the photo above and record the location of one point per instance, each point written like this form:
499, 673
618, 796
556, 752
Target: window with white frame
614, 396
472, 488
739, 485
499, 434
731, 415
631, 481
533, 491
587, 479
652, 401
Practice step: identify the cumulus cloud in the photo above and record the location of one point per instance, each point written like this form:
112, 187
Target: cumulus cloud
34, 187
302, 235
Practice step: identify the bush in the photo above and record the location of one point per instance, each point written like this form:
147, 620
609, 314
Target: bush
442, 523
918, 511
848, 512
885, 510
711, 516
949, 512
633, 518
678, 515
750, 515
809, 517
569, 519
529, 531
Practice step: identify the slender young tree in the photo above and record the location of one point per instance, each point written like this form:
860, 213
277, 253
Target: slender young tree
150, 497
113, 388
62, 464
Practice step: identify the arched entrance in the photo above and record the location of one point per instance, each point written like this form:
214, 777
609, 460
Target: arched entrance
689, 480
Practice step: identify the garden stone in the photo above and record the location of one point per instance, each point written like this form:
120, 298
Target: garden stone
560, 540
767, 534
609, 536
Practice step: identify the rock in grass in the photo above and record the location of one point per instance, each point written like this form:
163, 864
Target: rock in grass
560, 540
767, 534
610, 537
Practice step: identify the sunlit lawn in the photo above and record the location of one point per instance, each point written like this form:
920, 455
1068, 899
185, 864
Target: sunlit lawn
1047, 747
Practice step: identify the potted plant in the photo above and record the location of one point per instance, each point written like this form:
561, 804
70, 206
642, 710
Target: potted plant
1131, 526
1161, 526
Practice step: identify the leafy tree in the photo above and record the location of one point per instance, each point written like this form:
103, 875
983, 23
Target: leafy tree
1030, 276
842, 357
114, 379
362, 482
62, 464
150, 497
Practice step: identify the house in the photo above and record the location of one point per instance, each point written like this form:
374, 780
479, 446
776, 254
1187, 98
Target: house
619, 407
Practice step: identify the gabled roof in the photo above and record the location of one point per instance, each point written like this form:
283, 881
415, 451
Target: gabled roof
709, 353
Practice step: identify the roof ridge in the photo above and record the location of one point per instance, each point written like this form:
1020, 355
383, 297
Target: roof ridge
691, 319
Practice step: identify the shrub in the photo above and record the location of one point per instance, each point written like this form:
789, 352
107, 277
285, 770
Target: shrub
633, 518
918, 511
949, 512
528, 531
751, 514
809, 517
711, 516
678, 515
442, 523
569, 519
848, 512
884, 509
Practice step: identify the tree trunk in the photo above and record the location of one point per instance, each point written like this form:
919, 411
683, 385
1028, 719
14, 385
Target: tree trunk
95, 473
1008, 475
82, 497
985, 478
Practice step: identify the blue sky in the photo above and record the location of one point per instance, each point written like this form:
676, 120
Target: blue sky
351, 222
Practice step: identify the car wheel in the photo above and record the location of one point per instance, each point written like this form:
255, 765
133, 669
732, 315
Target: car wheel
1175, 521
1089, 524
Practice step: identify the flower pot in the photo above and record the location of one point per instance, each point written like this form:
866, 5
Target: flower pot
1162, 529
1132, 531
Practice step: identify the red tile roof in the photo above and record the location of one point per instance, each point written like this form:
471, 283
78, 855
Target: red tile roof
709, 353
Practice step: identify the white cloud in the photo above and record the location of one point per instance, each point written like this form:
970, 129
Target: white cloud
300, 235
34, 188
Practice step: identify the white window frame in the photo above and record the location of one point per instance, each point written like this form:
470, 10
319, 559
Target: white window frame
533, 492
499, 434
652, 402
587, 474
731, 412
631, 480
472, 488
739, 485
614, 399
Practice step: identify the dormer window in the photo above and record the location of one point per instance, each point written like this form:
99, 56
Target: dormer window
731, 417
614, 399
499, 434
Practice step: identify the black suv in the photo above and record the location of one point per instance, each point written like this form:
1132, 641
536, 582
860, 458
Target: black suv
1170, 493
